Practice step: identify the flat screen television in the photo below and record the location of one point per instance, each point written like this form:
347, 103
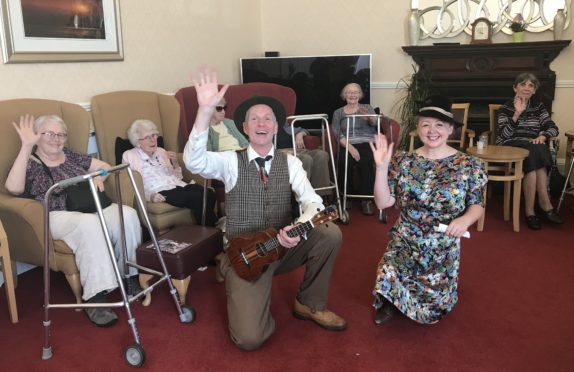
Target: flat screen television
317, 80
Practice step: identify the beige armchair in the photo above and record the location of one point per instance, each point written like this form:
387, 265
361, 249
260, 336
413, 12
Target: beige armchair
113, 113
23, 219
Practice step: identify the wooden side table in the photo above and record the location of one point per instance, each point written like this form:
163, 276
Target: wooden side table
511, 159
8, 278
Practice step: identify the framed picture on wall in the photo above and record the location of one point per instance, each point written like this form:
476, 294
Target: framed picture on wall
60, 30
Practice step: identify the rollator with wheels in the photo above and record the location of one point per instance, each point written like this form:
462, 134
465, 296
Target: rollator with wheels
351, 123
134, 353
325, 133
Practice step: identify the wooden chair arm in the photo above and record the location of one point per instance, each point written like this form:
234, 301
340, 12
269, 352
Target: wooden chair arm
471, 135
413, 135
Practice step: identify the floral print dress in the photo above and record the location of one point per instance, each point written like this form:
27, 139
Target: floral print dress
419, 270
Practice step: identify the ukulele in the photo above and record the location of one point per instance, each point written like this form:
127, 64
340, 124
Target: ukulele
251, 253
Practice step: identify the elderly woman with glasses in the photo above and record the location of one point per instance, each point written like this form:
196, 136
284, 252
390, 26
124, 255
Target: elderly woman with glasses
162, 175
43, 160
223, 133
360, 134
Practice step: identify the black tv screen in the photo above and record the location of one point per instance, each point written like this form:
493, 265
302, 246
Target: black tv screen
317, 80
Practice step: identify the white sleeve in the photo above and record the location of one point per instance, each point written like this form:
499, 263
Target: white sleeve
304, 192
212, 165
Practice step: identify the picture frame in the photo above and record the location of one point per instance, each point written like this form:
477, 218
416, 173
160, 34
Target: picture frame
60, 31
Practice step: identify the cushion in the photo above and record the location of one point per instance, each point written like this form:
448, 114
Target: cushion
123, 145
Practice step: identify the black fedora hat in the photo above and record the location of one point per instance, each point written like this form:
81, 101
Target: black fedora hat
275, 105
439, 107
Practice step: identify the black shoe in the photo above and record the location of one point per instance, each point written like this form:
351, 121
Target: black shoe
132, 285
101, 316
384, 314
552, 217
367, 207
533, 222
349, 204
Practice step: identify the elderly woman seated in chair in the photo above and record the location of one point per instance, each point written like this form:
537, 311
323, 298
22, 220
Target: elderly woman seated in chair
361, 134
524, 122
162, 174
43, 160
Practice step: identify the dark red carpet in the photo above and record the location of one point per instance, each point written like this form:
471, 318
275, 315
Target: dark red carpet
515, 313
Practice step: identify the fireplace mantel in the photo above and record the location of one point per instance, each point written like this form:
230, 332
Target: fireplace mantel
484, 73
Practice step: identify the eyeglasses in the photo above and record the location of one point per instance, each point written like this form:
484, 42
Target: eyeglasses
151, 136
220, 108
54, 135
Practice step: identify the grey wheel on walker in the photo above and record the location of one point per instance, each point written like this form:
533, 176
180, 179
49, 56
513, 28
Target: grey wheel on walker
135, 355
383, 216
187, 314
344, 218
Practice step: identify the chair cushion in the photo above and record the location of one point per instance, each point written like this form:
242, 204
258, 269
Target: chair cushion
123, 145
160, 208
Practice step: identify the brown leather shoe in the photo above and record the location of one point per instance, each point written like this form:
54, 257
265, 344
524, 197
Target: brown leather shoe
325, 318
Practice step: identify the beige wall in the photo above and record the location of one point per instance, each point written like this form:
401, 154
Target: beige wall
303, 27
165, 40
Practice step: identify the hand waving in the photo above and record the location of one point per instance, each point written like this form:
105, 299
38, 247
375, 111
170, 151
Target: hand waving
205, 83
25, 130
520, 104
382, 151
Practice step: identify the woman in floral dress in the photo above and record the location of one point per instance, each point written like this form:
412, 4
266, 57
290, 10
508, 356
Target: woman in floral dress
435, 184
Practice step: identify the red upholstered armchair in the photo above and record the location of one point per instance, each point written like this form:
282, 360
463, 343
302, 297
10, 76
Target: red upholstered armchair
234, 96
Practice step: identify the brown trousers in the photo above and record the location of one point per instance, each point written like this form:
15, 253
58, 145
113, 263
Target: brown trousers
248, 303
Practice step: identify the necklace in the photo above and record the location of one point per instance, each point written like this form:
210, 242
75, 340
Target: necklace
153, 161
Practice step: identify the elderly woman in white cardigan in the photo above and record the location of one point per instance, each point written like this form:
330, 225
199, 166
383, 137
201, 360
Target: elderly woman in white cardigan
161, 173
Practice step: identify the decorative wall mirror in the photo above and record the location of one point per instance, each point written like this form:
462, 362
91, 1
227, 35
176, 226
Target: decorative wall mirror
449, 18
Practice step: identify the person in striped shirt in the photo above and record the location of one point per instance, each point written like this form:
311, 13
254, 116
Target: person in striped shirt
525, 122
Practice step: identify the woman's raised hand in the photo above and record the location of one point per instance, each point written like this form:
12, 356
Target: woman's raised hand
520, 104
382, 151
205, 83
25, 129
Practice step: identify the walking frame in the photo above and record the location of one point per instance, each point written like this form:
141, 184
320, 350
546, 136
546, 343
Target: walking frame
134, 354
567, 188
351, 120
325, 132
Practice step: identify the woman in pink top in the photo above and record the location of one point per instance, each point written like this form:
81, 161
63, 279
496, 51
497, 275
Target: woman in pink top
161, 173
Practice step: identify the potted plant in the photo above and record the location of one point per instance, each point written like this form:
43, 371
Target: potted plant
418, 88
517, 26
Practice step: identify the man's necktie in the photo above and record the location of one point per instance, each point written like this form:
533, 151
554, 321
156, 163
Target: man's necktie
261, 163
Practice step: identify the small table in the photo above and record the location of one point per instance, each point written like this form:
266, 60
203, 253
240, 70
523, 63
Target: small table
511, 159
206, 243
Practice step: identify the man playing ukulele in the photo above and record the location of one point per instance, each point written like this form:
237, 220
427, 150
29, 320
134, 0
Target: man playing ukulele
258, 197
